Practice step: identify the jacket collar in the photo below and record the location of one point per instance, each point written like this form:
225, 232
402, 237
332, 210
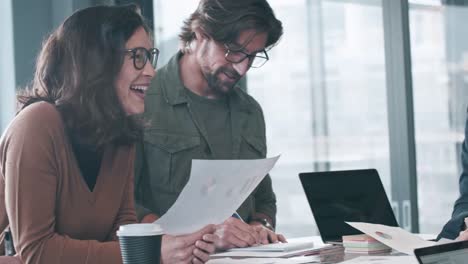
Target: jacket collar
174, 90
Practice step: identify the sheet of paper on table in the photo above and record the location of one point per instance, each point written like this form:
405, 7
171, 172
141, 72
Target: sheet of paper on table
382, 260
394, 237
315, 243
216, 188
264, 254
278, 247
295, 260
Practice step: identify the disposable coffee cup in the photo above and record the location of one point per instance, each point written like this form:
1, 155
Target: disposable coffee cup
140, 243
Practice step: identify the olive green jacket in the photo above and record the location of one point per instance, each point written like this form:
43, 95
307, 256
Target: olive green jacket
173, 137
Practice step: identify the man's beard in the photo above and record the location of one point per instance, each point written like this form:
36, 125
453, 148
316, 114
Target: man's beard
218, 86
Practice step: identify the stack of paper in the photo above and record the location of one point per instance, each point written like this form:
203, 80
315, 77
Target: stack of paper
295, 247
278, 247
364, 244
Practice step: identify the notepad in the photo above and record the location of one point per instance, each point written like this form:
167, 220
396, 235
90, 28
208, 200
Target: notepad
277, 247
364, 244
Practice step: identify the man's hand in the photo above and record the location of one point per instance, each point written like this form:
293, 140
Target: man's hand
462, 236
267, 236
235, 233
194, 248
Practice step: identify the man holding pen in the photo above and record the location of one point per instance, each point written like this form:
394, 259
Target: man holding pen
196, 111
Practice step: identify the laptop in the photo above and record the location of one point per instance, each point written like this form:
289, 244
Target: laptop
339, 196
451, 253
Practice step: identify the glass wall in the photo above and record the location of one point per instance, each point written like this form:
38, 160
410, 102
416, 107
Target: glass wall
7, 65
324, 98
168, 19
439, 46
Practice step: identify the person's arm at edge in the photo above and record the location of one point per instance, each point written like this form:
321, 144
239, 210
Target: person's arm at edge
456, 224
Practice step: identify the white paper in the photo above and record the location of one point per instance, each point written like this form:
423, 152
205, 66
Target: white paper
427, 236
318, 245
278, 247
295, 260
394, 237
260, 254
445, 241
215, 190
383, 260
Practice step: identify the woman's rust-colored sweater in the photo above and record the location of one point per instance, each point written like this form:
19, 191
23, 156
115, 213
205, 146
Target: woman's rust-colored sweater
53, 216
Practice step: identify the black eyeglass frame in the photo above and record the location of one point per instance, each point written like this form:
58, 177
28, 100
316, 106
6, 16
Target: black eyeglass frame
251, 57
151, 54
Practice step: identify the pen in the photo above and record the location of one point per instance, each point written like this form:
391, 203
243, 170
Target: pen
236, 215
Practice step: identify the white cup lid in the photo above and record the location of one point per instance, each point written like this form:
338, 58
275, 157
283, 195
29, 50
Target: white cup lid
140, 230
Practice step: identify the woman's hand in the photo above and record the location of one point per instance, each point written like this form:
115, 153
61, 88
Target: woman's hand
192, 248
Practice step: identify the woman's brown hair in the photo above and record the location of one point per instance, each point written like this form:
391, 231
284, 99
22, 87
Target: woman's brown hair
76, 71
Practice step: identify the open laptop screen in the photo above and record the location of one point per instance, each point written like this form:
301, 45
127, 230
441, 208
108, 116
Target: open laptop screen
339, 196
451, 253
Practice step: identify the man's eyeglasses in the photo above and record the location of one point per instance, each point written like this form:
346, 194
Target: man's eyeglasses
141, 56
256, 60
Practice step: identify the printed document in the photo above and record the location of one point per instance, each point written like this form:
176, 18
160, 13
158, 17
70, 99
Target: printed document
215, 190
394, 237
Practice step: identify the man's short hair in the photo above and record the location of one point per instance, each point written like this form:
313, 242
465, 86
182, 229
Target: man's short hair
224, 20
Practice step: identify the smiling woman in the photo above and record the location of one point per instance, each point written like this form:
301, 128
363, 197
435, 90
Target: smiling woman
135, 75
66, 160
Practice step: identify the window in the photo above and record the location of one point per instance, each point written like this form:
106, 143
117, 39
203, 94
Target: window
7, 66
324, 97
439, 57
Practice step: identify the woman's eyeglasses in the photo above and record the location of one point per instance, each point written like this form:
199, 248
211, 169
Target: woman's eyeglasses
141, 56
